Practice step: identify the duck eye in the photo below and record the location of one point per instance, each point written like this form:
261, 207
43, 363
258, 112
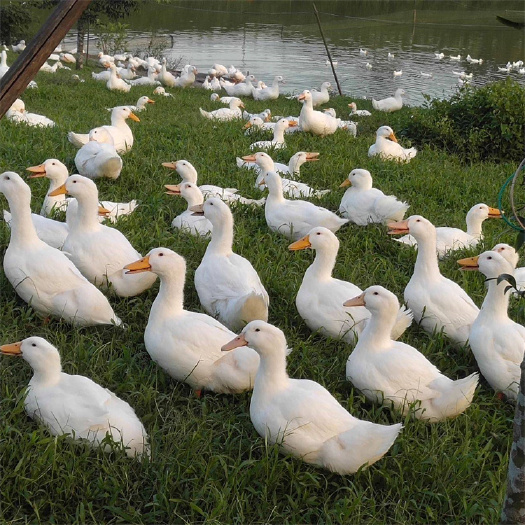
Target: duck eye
376, 293
33, 344
418, 220
7, 177
489, 258
318, 233
211, 203
161, 254
257, 329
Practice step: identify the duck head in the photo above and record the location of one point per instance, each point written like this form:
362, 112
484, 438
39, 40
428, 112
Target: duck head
358, 178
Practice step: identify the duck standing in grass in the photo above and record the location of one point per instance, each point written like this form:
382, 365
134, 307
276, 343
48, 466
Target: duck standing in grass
43, 276
228, 286
320, 297
392, 371
295, 218
436, 302
301, 416
497, 342
74, 404
98, 251
187, 345
363, 204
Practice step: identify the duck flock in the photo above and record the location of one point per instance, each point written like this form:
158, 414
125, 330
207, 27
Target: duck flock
69, 269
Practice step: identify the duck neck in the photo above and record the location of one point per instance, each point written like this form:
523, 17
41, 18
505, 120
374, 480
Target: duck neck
496, 301
426, 261
294, 165
222, 237
47, 373
87, 214
323, 264
275, 194
170, 299
53, 203
474, 225
376, 334
278, 134
194, 199
22, 228
272, 372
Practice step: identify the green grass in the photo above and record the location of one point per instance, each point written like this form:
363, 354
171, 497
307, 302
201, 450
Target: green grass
208, 464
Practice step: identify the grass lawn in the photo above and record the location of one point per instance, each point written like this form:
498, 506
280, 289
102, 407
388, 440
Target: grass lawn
208, 463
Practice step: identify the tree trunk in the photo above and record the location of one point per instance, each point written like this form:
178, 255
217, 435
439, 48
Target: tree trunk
514, 505
81, 35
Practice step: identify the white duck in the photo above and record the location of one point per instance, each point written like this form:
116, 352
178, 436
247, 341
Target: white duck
161, 91
315, 122
388, 371
436, 302
43, 276
358, 112
228, 286
165, 77
99, 158
17, 113
510, 255
102, 76
215, 97
347, 125
278, 137
18, 48
127, 73
149, 80
268, 93
225, 114
73, 404
387, 147
291, 188
363, 204
301, 416
390, 104
293, 168
294, 219
141, 104
98, 251
450, 239
115, 83
243, 89
497, 342
320, 297
57, 174
323, 96
120, 132
189, 174
256, 124
4, 68
187, 345
189, 221
187, 77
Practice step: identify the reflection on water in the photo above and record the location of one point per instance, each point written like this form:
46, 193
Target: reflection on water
275, 37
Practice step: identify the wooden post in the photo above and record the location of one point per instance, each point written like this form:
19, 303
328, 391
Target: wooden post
327, 50
27, 65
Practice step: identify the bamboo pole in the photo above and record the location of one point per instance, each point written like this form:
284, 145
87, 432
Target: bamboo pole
27, 65
327, 50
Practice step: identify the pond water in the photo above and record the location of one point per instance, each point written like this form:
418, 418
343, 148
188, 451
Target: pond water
273, 37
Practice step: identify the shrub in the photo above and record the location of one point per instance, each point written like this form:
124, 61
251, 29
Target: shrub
486, 123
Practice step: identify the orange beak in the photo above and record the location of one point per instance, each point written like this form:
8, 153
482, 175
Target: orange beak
292, 123
310, 157
235, 343
301, 244
356, 301
12, 349
61, 190
345, 183
103, 212
249, 158
392, 137
134, 117
142, 265
172, 190
494, 213
198, 209
470, 264
398, 228
38, 171
149, 101
247, 125
170, 165
301, 97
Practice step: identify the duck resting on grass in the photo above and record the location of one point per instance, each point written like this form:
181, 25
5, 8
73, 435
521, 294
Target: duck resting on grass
187, 345
301, 416
74, 404
388, 371
387, 147
225, 114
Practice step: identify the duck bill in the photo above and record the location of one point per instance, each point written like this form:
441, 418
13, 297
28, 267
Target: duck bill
248, 125
61, 190
392, 137
345, 184
356, 301
235, 343
134, 117
302, 96
103, 212
268, 118
37, 171
470, 264
301, 244
198, 209
292, 123
312, 157
12, 349
170, 165
172, 189
248, 158
142, 265
398, 228
494, 213
149, 101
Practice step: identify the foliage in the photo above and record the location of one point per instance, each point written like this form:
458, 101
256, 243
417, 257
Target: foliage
486, 123
14, 19
209, 465
112, 37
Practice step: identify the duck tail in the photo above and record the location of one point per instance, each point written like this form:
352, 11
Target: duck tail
390, 209
455, 397
78, 139
205, 113
254, 307
375, 105
403, 321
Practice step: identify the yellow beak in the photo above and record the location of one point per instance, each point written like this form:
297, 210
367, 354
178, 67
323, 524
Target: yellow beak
170, 165
356, 301
39, 171
172, 189
397, 228
249, 158
61, 190
301, 244
134, 117
345, 183
103, 212
392, 137
12, 349
494, 213
469, 264
142, 265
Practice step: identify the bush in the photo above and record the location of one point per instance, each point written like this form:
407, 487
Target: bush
486, 123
